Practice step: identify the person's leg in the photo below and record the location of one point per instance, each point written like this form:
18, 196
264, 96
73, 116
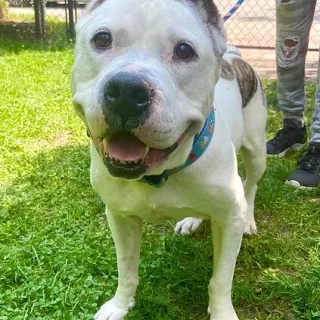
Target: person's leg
294, 20
308, 172
315, 127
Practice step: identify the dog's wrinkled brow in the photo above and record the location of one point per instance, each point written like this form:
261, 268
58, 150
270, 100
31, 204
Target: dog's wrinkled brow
208, 6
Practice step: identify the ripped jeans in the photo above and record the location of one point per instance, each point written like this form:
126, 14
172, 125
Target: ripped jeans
294, 20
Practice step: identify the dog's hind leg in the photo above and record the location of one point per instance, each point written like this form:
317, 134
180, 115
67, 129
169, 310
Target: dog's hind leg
187, 225
254, 152
126, 233
255, 167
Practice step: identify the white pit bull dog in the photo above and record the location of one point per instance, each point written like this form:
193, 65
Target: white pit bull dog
167, 107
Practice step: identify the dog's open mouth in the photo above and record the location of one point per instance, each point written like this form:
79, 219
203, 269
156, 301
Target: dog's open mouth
128, 157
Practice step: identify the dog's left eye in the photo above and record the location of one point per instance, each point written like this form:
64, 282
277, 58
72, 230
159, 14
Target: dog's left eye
102, 40
184, 51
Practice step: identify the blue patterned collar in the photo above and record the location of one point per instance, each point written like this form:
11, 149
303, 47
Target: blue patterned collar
200, 144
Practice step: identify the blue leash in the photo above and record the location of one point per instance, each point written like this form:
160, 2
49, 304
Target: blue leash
233, 10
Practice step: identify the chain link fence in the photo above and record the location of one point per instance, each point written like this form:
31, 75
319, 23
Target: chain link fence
17, 19
25, 19
253, 25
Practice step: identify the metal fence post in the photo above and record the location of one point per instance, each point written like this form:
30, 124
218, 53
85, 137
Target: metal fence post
71, 19
39, 12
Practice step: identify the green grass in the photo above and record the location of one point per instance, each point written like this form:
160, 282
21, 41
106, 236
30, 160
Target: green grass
57, 258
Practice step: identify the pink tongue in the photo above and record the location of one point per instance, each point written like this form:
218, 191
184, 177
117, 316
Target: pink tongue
154, 156
126, 147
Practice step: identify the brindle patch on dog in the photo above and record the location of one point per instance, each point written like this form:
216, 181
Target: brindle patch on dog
247, 79
227, 70
213, 16
96, 4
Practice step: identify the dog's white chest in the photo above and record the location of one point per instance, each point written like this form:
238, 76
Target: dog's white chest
152, 204
181, 196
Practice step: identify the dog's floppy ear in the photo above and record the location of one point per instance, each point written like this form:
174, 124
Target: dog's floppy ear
209, 8
211, 16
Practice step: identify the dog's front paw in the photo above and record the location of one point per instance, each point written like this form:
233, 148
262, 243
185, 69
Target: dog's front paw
114, 310
187, 225
251, 227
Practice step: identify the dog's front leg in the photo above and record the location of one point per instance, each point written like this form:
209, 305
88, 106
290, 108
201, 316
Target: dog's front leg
227, 240
126, 233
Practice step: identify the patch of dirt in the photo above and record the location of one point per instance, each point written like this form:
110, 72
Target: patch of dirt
62, 139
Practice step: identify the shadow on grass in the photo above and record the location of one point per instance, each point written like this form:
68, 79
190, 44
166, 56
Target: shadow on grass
52, 230
61, 173
16, 36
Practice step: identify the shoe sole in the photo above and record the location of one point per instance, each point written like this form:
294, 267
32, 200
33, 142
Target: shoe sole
295, 147
295, 184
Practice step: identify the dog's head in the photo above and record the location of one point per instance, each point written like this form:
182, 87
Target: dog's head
143, 79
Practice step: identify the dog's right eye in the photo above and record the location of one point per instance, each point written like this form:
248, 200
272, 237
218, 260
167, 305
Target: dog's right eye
102, 40
184, 51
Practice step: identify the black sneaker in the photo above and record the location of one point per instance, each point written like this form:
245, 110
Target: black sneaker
286, 139
308, 173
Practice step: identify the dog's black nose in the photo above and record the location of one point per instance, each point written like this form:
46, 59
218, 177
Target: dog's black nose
127, 96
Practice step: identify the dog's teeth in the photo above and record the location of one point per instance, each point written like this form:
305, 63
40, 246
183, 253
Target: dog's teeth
145, 152
105, 145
